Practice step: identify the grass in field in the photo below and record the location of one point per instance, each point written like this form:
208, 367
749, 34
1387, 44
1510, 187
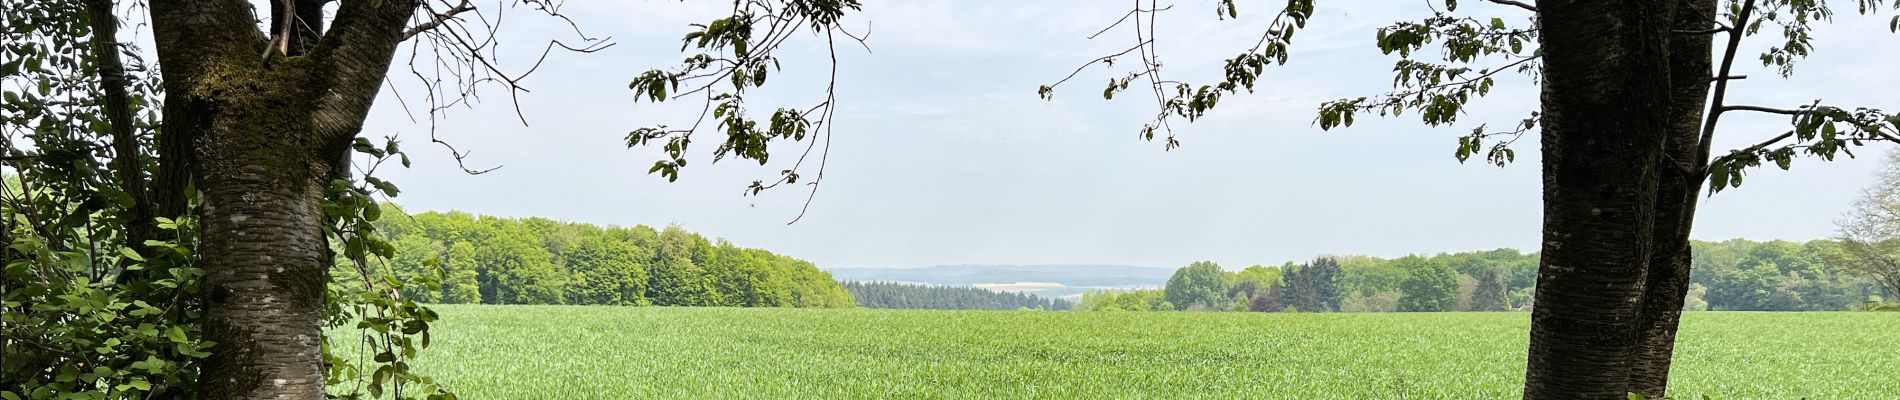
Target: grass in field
565, 352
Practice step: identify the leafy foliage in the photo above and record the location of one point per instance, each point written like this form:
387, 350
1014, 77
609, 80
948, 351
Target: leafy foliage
1136, 300
543, 261
1198, 286
1430, 286
734, 54
1778, 275
71, 331
1820, 131
74, 321
370, 309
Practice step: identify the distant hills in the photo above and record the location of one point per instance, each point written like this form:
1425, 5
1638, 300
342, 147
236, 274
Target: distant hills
1074, 276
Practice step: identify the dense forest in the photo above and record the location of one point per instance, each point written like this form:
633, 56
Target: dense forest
903, 295
1734, 275
464, 258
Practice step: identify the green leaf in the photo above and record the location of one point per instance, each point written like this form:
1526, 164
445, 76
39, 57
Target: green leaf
1718, 176
139, 384
177, 334
134, 255
387, 188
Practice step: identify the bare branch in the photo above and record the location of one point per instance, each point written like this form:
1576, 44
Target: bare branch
1517, 4
1770, 142
438, 19
1709, 31
1769, 110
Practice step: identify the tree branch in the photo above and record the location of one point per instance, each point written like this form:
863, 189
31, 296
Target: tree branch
1714, 30
1770, 142
1721, 85
1517, 4
126, 162
1107, 58
1494, 71
1769, 110
184, 32
438, 19
357, 50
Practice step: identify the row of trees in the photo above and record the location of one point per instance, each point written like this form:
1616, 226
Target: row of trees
492, 260
903, 295
1329, 284
1777, 276
1730, 275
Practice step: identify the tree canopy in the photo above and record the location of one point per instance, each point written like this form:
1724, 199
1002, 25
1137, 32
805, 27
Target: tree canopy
1199, 286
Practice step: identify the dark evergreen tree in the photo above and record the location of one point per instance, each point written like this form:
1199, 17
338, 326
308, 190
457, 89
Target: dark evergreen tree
910, 296
1490, 294
1325, 280
1313, 286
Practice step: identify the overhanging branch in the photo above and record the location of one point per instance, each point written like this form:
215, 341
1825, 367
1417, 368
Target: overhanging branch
1517, 4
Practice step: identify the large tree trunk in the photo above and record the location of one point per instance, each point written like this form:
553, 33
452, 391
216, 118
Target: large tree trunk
1676, 198
1605, 99
263, 248
267, 122
263, 166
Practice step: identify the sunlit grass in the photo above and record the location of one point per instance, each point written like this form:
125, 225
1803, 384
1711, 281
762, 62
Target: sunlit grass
566, 352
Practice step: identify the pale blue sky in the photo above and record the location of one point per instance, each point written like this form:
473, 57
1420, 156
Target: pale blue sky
943, 154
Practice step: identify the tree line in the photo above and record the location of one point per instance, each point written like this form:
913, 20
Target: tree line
904, 295
1737, 275
477, 259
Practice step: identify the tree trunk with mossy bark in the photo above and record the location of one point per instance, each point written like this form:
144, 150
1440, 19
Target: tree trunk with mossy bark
268, 119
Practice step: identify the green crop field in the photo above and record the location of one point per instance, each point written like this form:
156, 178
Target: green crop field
571, 352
